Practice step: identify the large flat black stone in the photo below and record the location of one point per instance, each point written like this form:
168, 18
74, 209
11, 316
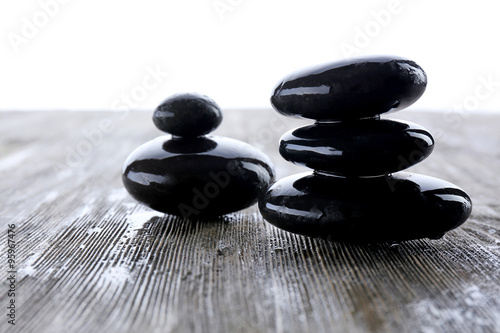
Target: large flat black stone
350, 89
395, 208
367, 147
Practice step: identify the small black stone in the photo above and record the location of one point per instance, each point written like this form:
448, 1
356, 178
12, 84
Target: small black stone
399, 207
368, 147
350, 89
187, 115
197, 177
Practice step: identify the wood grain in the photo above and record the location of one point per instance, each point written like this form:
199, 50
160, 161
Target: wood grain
90, 259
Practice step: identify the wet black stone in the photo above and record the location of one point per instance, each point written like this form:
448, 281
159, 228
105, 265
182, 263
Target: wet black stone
395, 208
197, 178
350, 89
187, 115
367, 147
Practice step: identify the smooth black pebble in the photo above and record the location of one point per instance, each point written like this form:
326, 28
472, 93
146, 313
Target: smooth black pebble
399, 207
197, 178
350, 89
367, 147
187, 115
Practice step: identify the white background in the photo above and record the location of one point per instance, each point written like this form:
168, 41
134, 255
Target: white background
98, 55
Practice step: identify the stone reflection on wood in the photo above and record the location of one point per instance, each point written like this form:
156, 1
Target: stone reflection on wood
191, 174
357, 191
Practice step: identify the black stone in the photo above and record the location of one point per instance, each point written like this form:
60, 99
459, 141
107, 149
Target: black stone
187, 115
395, 208
350, 89
367, 147
197, 177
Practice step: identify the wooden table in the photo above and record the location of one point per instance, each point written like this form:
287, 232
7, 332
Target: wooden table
90, 259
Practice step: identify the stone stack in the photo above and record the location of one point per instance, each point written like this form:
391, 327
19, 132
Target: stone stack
190, 173
357, 191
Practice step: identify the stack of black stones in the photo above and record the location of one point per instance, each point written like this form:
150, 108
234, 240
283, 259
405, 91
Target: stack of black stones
190, 173
357, 192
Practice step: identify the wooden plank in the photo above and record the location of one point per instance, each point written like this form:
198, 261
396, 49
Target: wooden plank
89, 258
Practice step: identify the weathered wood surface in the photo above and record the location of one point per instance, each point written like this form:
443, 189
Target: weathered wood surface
90, 259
